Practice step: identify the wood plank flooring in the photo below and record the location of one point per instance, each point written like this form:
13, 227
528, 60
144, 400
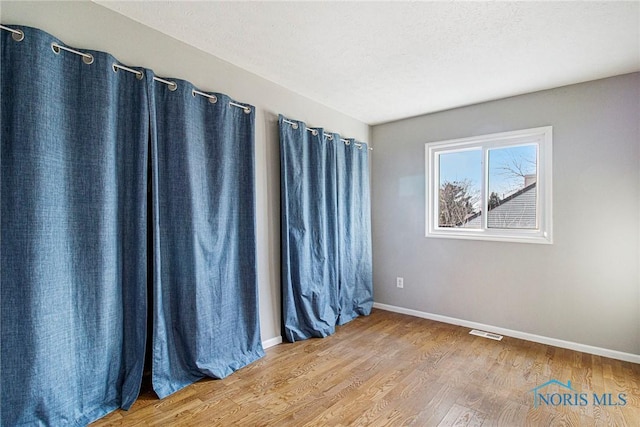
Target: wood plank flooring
389, 369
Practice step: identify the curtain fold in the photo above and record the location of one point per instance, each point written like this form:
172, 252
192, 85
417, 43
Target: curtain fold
205, 274
326, 231
354, 231
73, 258
309, 240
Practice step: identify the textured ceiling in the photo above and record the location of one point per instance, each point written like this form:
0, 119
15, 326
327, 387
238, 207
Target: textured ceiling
382, 61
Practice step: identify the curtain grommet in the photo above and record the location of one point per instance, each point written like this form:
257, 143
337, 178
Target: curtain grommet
173, 86
314, 132
212, 98
247, 110
347, 143
294, 126
139, 74
18, 35
87, 58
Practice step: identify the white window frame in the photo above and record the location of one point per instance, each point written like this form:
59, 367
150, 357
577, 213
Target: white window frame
542, 137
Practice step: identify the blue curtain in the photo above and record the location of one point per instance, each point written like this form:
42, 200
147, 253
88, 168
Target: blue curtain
74, 167
354, 231
309, 242
326, 230
205, 291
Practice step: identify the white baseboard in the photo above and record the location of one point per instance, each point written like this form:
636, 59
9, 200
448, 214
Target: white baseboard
271, 342
613, 354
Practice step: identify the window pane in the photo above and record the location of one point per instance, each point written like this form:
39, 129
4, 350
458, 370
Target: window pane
512, 194
459, 183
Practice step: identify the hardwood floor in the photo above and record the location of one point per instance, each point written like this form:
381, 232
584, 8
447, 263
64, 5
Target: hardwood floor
390, 369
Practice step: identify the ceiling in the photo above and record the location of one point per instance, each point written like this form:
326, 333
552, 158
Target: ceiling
382, 61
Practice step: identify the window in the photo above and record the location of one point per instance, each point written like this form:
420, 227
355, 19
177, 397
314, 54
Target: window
491, 187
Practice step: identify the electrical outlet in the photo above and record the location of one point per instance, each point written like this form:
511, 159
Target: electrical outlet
400, 282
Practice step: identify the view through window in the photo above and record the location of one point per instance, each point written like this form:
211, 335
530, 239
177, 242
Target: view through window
493, 187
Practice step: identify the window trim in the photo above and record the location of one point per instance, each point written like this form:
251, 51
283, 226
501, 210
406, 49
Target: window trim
542, 136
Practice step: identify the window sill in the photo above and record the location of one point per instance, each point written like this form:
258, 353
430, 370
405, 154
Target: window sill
534, 237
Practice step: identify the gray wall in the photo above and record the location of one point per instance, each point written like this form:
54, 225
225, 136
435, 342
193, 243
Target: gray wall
85, 24
585, 287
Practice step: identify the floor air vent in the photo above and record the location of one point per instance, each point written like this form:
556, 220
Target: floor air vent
486, 334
